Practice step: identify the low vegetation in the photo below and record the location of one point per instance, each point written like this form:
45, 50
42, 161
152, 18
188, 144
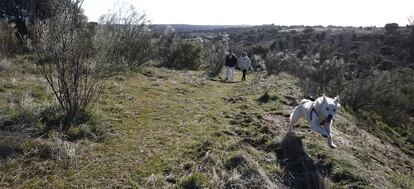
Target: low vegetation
9, 43
183, 55
166, 128
118, 104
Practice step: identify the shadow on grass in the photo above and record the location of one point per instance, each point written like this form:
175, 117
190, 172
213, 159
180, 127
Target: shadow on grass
300, 170
8, 150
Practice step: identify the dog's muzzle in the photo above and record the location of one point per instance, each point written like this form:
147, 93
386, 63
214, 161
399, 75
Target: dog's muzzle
329, 118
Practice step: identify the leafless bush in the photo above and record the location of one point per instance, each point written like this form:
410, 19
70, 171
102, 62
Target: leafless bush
214, 58
125, 39
329, 76
315, 77
258, 64
64, 60
389, 94
165, 48
274, 63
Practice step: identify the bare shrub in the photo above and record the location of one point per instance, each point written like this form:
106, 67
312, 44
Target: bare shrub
329, 76
315, 77
274, 63
165, 48
65, 61
215, 54
258, 63
380, 89
124, 38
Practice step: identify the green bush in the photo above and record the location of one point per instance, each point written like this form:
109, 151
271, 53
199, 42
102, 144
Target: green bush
8, 41
184, 55
259, 49
391, 27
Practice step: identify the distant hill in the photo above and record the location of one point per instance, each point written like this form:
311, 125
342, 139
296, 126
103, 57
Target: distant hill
193, 28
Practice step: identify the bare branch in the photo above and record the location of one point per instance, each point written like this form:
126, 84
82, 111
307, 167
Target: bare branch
64, 58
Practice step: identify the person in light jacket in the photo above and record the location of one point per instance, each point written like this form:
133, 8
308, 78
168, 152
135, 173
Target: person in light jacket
244, 64
231, 61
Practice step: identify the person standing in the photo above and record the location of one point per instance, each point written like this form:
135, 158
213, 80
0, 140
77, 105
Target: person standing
244, 64
231, 62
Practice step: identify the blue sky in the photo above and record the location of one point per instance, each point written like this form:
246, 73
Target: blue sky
257, 12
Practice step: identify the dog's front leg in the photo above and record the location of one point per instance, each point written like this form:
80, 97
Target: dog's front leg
327, 127
316, 127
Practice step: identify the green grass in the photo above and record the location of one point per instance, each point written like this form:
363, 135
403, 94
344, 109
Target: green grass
402, 181
196, 181
318, 151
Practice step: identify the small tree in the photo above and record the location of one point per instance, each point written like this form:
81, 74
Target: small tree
125, 39
391, 28
65, 61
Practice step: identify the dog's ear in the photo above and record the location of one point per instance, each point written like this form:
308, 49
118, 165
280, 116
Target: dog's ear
324, 98
336, 99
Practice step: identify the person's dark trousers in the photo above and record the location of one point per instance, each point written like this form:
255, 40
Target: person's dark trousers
244, 75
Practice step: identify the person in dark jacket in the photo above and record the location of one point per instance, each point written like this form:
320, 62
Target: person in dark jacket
230, 64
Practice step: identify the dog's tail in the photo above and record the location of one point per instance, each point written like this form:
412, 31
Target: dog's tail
293, 120
304, 101
290, 126
310, 97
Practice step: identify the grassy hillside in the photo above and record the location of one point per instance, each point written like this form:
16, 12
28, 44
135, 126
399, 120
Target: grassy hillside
176, 129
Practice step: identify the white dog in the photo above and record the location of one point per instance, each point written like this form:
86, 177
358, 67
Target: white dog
319, 113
